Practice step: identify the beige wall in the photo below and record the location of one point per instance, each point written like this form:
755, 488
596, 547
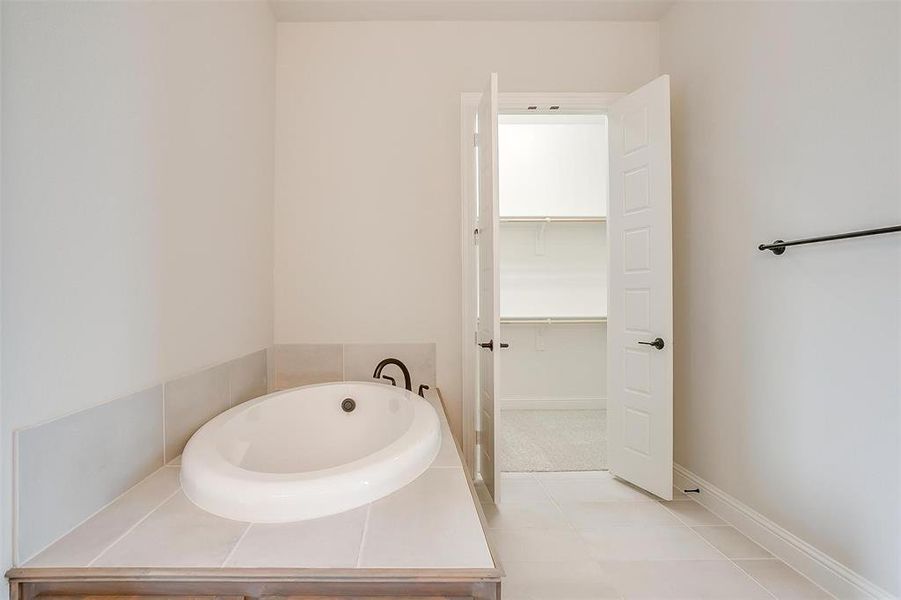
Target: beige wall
367, 193
786, 124
137, 229
137, 198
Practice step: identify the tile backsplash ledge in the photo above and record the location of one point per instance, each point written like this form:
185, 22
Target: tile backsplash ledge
292, 365
96, 455
90, 458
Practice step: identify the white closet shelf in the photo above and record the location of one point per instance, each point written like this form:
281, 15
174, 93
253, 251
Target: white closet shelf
550, 219
551, 320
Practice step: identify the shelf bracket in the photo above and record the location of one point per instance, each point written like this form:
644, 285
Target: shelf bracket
540, 332
539, 237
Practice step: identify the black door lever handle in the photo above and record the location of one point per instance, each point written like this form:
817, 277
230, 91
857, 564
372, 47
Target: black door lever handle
490, 345
657, 343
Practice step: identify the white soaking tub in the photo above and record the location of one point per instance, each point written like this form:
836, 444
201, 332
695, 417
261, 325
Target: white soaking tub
299, 454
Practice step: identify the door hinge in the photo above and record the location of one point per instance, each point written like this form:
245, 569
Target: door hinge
475, 140
475, 236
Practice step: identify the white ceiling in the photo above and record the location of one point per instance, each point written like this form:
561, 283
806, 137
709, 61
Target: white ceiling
469, 10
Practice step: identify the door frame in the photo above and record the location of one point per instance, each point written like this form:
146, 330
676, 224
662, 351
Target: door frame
509, 103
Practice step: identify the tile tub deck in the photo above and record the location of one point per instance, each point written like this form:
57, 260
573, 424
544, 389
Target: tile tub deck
427, 538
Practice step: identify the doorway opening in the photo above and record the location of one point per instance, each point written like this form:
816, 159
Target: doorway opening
567, 294
553, 182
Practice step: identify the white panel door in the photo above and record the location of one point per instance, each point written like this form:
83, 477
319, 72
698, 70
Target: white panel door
489, 288
640, 302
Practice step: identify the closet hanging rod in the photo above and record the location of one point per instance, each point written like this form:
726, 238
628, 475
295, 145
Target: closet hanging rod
552, 219
551, 320
778, 246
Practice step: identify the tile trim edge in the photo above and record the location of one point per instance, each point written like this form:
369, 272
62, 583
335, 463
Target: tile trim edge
483, 521
15, 484
823, 570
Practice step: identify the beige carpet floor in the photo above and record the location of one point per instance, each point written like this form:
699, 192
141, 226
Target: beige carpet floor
553, 440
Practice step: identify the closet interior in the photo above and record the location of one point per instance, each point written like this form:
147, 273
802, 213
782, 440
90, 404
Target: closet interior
553, 173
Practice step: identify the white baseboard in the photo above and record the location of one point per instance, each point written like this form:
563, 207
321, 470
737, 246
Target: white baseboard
822, 569
524, 403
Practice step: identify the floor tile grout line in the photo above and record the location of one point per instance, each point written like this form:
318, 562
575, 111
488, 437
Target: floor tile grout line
754, 579
771, 557
562, 512
695, 560
234, 548
681, 522
684, 525
696, 527
363, 535
727, 524
133, 527
749, 576
557, 505
791, 568
730, 560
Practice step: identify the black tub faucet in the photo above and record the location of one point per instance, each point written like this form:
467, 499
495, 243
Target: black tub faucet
408, 383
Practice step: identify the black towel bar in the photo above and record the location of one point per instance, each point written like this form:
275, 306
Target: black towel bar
779, 246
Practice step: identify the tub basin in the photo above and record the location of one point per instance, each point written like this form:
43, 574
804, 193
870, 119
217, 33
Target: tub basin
298, 454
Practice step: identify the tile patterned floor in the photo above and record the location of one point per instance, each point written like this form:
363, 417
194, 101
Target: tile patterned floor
588, 536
